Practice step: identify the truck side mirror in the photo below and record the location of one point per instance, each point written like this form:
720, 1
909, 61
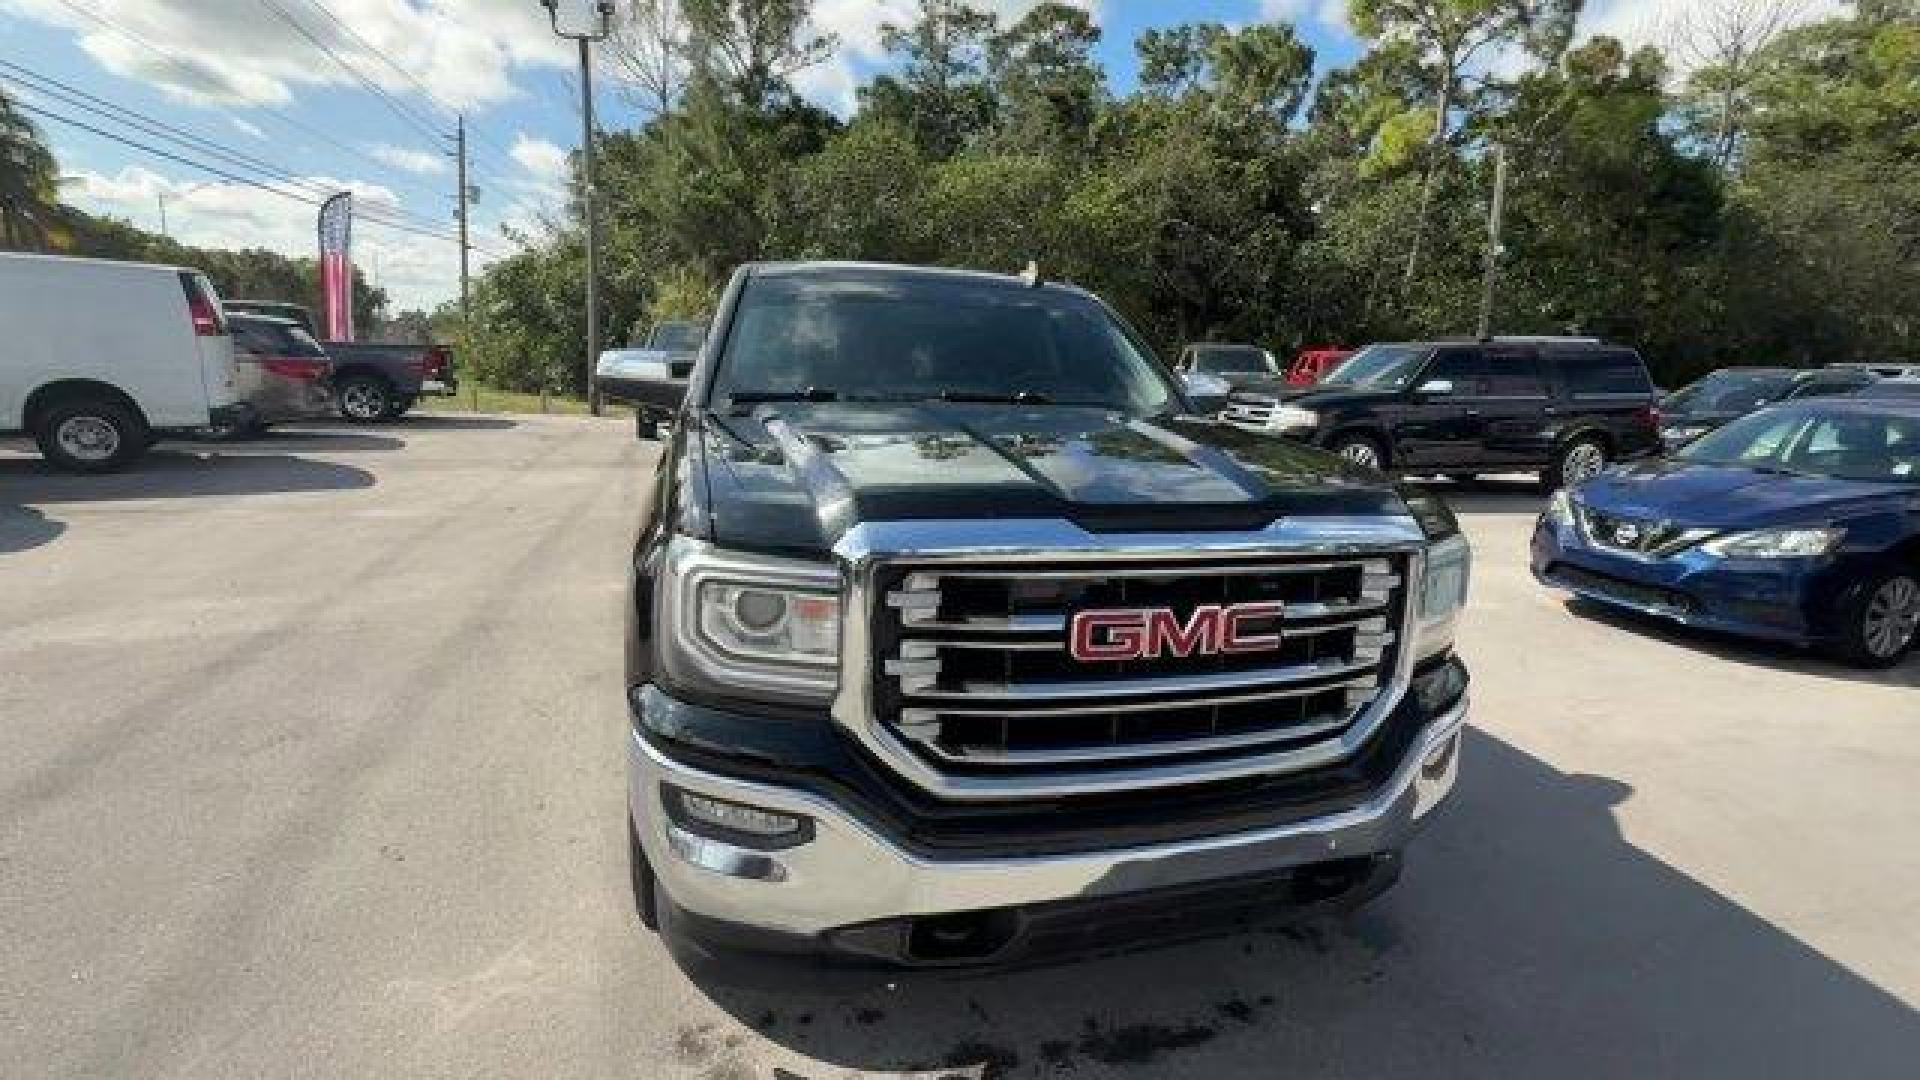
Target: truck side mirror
647, 378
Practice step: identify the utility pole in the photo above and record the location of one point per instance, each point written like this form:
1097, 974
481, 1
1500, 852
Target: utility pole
604, 9
466, 316
161, 194
1495, 218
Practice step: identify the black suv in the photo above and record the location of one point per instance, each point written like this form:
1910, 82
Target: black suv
1566, 407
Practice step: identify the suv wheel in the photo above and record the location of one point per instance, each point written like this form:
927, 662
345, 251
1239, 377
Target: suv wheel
90, 436
1360, 449
365, 399
1881, 627
1578, 461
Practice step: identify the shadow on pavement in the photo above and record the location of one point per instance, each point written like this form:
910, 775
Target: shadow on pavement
1741, 650
440, 421
173, 474
23, 527
1489, 495
1529, 938
308, 439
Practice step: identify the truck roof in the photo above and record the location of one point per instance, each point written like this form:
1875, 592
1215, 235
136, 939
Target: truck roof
830, 270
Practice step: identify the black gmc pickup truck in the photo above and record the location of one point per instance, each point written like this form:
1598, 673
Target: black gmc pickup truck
955, 639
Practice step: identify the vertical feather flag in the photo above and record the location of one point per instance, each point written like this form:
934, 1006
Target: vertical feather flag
336, 265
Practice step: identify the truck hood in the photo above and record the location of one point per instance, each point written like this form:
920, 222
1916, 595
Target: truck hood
1721, 497
795, 477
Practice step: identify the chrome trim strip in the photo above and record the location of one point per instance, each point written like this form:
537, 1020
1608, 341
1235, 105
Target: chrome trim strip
1053, 690
1058, 543
917, 714
1370, 627
1370, 568
1131, 751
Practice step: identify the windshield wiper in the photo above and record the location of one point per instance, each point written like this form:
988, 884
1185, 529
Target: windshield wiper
761, 397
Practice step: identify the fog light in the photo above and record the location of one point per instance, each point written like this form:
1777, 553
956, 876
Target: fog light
734, 822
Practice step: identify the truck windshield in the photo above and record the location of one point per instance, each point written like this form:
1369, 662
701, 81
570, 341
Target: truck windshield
887, 338
1233, 360
1378, 367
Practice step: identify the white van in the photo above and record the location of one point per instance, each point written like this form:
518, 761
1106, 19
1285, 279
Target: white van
99, 358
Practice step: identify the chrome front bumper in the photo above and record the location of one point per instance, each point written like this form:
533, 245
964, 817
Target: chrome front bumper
847, 874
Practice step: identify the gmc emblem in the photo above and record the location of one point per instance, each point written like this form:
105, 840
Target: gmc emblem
1149, 633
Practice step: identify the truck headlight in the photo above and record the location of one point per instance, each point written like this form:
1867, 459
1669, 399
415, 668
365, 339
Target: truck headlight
1774, 544
1443, 584
749, 625
1293, 418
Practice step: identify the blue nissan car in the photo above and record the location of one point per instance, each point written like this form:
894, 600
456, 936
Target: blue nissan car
1798, 523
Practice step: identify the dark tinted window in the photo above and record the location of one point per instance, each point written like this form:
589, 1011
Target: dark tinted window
1224, 359
1466, 369
1608, 371
1731, 390
892, 337
1378, 367
1829, 385
678, 336
1515, 374
272, 338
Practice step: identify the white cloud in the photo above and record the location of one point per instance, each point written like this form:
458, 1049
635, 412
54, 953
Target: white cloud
1331, 14
419, 162
1654, 22
247, 127
464, 51
547, 161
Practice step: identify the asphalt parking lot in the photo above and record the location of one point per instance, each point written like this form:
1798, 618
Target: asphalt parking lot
314, 768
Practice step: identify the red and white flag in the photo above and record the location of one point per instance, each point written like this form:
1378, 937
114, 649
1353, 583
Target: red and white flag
336, 265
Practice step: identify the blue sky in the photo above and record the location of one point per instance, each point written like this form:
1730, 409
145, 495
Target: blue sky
239, 74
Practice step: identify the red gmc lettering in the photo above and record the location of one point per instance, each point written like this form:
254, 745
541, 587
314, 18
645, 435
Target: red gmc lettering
1148, 633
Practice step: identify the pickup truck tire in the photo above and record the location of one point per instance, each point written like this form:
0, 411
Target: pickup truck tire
365, 398
1881, 625
398, 407
646, 903
91, 435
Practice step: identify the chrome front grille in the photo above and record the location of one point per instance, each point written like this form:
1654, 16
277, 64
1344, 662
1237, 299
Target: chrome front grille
972, 669
1249, 412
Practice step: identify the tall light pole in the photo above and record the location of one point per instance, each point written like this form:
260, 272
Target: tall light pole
1495, 214
604, 9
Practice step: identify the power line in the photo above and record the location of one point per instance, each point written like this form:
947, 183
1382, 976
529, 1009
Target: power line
384, 58
73, 97
226, 174
287, 118
398, 109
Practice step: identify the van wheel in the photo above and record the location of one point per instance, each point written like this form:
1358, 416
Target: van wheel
91, 436
1882, 625
364, 399
1577, 462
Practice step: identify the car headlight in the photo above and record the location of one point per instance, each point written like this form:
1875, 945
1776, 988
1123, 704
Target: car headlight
1293, 418
1559, 508
1774, 544
749, 625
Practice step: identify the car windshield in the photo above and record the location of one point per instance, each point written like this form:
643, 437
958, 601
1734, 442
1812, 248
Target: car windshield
1845, 443
1381, 367
1730, 391
677, 336
882, 337
1234, 360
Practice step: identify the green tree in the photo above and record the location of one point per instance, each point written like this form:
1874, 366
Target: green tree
1049, 86
29, 180
939, 95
